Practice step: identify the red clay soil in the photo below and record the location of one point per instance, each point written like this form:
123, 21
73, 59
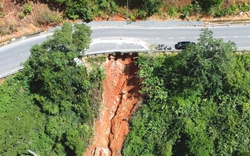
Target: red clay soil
1, 81
116, 17
119, 100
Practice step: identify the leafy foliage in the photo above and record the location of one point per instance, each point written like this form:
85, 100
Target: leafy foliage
151, 6
62, 89
196, 102
21, 121
52, 114
27, 8
207, 4
87, 10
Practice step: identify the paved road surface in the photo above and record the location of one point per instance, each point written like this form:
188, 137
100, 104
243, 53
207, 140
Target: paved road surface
13, 54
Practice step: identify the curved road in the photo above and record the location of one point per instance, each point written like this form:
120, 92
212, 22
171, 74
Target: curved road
12, 55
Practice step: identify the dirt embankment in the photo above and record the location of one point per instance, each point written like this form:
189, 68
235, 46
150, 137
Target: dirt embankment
1, 81
119, 100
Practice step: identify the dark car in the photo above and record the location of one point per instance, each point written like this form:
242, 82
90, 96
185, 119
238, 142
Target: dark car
183, 44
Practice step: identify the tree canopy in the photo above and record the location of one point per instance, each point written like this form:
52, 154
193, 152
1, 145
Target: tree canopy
62, 98
87, 10
196, 102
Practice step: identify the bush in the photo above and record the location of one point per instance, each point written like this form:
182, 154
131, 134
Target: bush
89, 15
141, 14
2, 14
185, 14
27, 8
207, 4
132, 17
114, 7
104, 4
196, 103
232, 10
151, 6
244, 7
212, 11
21, 15
172, 11
47, 17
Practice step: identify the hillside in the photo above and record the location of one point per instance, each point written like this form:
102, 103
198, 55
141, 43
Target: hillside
24, 17
120, 99
195, 102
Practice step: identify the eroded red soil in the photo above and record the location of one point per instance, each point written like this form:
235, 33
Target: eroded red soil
1, 81
119, 100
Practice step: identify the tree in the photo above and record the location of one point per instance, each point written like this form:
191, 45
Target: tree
64, 90
70, 39
22, 123
49, 107
207, 63
149, 7
193, 103
207, 4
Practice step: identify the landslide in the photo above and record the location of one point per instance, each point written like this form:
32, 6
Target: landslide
120, 99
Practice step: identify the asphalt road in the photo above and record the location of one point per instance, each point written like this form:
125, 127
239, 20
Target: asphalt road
12, 55
170, 36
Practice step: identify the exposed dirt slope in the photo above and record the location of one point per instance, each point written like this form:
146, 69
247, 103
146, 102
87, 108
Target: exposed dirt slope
15, 27
120, 99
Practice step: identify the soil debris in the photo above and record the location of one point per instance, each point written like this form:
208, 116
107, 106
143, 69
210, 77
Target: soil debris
119, 100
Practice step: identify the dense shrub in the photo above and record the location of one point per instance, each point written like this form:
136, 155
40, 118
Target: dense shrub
196, 102
148, 8
50, 106
22, 123
87, 9
49, 18
244, 7
27, 8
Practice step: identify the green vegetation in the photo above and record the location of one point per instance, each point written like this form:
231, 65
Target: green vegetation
49, 18
196, 102
2, 13
21, 121
27, 9
49, 107
21, 15
87, 9
142, 9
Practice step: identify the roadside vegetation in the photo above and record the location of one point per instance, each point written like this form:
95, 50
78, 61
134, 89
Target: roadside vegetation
49, 107
141, 9
54, 12
196, 103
